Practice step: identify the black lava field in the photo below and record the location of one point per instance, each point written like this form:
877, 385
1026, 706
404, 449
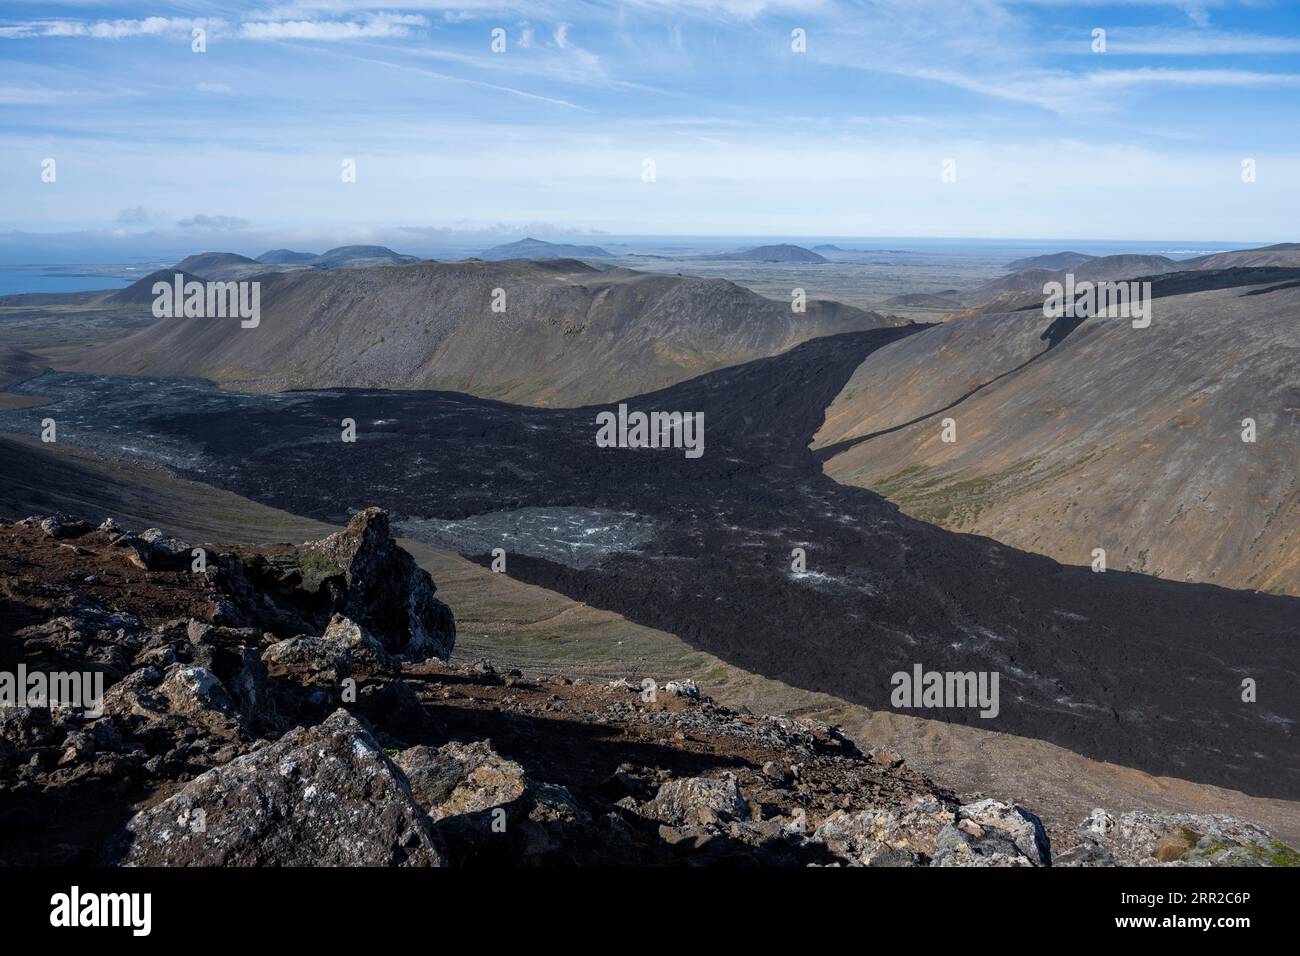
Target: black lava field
1120, 667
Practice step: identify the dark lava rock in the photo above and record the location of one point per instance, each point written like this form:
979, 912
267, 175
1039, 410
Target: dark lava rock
385, 591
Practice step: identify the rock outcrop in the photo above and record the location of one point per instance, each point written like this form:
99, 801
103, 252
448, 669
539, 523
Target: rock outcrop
384, 590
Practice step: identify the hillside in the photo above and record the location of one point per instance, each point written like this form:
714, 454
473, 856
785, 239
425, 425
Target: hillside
285, 257
140, 292
16, 364
1105, 268
359, 257
540, 249
569, 334
213, 264
783, 252
1124, 439
1055, 260
1284, 254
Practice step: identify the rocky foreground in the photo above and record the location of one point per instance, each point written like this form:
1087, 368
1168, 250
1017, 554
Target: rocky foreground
295, 705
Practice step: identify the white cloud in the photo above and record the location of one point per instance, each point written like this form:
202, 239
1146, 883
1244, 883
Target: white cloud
213, 223
106, 29
1196, 43
377, 26
371, 27
32, 95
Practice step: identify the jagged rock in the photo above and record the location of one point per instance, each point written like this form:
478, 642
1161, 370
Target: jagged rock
1138, 838
198, 695
957, 849
459, 779
989, 833
1099, 823
364, 652
682, 688
887, 757
136, 695
697, 800
1091, 852
165, 551
320, 796
484, 807
109, 526
27, 727
385, 591
310, 661
135, 550
61, 526
344, 650
555, 824
867, 837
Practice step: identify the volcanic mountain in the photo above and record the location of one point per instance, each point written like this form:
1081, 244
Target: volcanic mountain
285, 257
784, 252
562, 332
358, 257
213, 265
540, 249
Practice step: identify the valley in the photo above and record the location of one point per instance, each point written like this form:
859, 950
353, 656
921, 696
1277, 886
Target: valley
1082, 668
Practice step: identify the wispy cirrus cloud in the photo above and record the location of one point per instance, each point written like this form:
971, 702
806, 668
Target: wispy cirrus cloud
1147, 42
370, 27
105, 29
376, 26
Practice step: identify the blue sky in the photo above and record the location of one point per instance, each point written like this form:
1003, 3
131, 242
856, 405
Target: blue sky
244, 143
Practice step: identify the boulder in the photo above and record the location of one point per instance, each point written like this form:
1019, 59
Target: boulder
61, 526
990, 833
165, 552
885, 835
697, 800
198, 695
346, 649
683, 688
459, 779
320, 796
